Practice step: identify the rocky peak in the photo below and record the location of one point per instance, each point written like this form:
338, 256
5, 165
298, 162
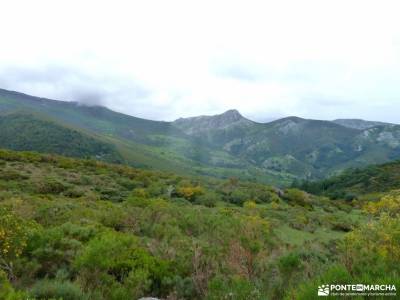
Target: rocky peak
201, 124
231, 115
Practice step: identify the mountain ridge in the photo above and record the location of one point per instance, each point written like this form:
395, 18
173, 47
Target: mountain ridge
231, 111
227, 144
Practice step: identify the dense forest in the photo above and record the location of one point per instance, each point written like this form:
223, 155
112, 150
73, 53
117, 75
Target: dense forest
84, 229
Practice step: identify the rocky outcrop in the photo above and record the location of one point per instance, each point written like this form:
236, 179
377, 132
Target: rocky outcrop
198, 125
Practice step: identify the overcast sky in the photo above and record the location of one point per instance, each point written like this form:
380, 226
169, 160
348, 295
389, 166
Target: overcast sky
167, 59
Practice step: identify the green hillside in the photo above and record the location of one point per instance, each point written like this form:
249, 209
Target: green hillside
228, 144
95, 118
21, 131
354, 182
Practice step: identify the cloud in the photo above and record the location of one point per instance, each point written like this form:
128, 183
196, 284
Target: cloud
167, 59
72, 84
88, 98
239, 72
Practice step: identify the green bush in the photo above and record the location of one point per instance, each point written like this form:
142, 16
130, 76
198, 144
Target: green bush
238, 197
52, 249
5, 286
53, 289
234, 288
208, 199
115, 264
7, 174
289, 263
113, 194
336, 274
51, 186
74, 192
295, 196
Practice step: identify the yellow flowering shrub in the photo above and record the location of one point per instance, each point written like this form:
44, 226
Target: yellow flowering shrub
375, 247
190, 192
14, 234
389, 204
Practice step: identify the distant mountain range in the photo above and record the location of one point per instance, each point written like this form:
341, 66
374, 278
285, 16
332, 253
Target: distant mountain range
225, 145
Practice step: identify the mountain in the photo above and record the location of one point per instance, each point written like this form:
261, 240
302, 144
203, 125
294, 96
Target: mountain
225, 145
358, 123
28, 132
300, 147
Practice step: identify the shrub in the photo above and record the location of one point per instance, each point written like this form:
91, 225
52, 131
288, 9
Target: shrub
373, 248
138, 201
6, 290
389, 204
208, 199
336, 274
189, 192
51, 186
296, 196
53, 289
127, 183
115, 264
74, 192
113, 194
350, 197
340, 226
14, 234
55, 248
289, 263
299, 222
12, 175
233, 288
238, 197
